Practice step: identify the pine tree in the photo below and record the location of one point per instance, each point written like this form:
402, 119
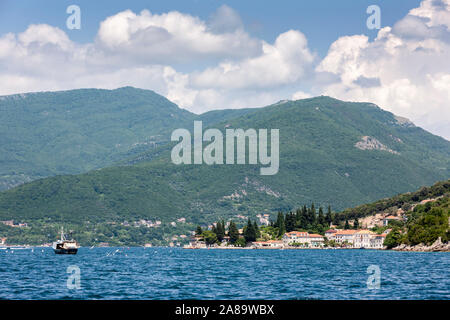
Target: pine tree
328, 217
347, 226
303, 223
198, 231
336, 219
233, 232
257, 232
250, 232
290, 222
356, 224
312, 215
321, 219
220, 230
280, 224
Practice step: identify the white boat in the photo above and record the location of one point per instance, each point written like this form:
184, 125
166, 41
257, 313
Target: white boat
65, 246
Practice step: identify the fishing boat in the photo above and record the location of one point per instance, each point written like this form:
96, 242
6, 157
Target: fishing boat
65, 246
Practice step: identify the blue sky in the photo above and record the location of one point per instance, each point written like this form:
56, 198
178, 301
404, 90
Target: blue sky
207, 54
322, 21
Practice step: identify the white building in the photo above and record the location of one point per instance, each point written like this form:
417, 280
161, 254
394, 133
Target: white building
362, 239
345, 236
310, 240
268, 244
330, 234
377, 241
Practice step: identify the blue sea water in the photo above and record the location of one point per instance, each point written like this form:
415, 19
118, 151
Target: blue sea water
174, 273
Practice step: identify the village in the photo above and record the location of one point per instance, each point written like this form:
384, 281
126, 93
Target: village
333, 239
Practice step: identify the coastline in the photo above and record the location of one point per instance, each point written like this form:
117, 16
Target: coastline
437, 246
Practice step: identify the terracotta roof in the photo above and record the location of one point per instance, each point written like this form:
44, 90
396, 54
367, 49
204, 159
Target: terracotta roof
313, 235
342, 232
296, 233
331, 230
364, 232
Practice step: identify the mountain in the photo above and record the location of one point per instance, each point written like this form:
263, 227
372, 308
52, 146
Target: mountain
331, 153
67, 132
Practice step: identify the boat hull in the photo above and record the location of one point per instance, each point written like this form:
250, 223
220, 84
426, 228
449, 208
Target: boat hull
66, 251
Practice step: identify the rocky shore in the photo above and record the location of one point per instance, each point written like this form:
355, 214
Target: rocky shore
437, 246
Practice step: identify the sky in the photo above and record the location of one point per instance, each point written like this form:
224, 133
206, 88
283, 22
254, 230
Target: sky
208, 54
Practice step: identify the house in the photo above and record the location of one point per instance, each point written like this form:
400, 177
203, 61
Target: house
362, 238
295, 237
195, 243
377, 241
313, 240
8, 223
330, 234
268, 244
343, 236
387, 219
3, 240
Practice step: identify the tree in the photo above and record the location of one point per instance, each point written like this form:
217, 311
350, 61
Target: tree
336, 219
347, 225
393, 239
198, 231
356, 224
220, 230
257, 232
240, 242
321, 218
249, 231
328, 217
280, 224
290, 221
210, 237
302, 218
312, 215
233, 232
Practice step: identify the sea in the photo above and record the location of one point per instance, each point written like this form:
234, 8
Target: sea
175, 273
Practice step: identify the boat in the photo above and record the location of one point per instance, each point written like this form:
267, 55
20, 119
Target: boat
65, 246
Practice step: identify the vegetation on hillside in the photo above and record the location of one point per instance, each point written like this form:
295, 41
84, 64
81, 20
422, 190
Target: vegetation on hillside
404, 201
425, 224
318, 163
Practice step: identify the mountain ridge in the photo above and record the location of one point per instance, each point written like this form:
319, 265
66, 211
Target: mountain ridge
319, 163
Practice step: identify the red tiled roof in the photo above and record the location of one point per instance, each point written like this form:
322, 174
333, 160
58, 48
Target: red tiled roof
342, 232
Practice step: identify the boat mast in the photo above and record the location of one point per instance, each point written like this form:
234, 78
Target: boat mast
62, 233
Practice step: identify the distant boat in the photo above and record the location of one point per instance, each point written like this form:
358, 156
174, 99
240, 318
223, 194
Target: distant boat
65, 246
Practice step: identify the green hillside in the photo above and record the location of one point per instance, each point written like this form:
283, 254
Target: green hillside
319, 163
68, 132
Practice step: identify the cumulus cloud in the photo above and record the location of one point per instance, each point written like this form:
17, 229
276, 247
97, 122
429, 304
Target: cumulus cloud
286, 61
175, 37
225, 19
404, 70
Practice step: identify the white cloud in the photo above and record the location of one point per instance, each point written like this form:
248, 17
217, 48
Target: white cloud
225, 19
404, 70
175, 37
284, 62
300, 95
